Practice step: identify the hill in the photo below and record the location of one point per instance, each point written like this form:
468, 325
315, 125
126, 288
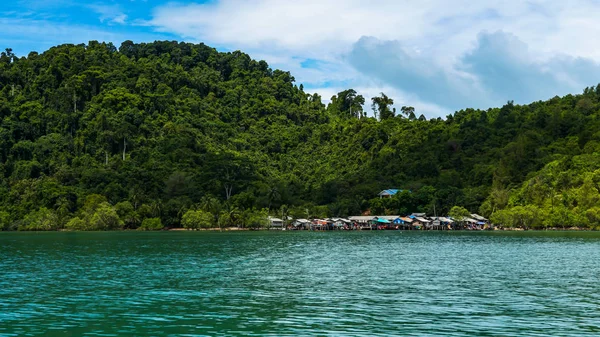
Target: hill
95, 137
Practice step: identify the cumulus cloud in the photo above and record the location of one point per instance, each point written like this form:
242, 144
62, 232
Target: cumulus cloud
439, 53
507, 68
500, 67
389, 62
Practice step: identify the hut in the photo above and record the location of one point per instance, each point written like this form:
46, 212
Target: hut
441, 223
275, 222
341, 223
480, 220
385, 221
362, 222
322, 224
419, 220
361, 219
380, 223
301, 224
403, 222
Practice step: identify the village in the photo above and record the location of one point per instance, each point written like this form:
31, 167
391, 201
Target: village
414, 221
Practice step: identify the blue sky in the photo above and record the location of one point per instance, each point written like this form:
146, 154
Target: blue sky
437, 55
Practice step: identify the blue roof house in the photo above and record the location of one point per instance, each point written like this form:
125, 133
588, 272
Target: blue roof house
388, 193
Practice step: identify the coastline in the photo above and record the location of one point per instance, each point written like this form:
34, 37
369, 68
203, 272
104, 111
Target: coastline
238, 229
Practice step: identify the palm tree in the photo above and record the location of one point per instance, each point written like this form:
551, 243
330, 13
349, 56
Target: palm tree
284, 210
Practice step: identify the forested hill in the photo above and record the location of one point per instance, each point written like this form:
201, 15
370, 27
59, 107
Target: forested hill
95, 137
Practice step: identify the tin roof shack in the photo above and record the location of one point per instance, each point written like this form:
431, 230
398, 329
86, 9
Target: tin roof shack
302, 224
390, 218
474, 224
386, 221
404, 222
339, 223
322, 224
480, 220
441, 223
361, 219
275, 223
419, 221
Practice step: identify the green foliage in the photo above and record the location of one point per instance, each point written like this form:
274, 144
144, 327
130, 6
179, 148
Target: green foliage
105, 217
77, 224
157, 129
382, 107
526, 217
151, 224
197, 219
41, 220
127, 214
4, 221
257, 219
459, 213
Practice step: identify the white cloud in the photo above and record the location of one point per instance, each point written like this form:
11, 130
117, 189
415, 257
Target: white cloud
110, 13
498, 69
439, 39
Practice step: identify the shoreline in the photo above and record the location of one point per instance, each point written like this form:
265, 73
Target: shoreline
237, 229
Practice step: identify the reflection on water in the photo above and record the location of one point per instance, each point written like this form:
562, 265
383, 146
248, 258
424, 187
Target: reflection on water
278, 284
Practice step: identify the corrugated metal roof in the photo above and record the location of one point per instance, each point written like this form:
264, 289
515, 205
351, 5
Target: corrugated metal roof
478, 217
361, 218
387, 217
389, 192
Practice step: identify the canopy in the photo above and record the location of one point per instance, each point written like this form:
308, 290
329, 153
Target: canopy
383, 221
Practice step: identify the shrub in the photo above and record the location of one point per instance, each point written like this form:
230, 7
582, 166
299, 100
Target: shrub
197, 219
151, 224
76, 224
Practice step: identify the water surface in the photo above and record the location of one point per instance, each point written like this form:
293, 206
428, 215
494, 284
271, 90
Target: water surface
291, 283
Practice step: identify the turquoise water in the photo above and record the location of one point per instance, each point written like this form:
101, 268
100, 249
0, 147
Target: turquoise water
291, 283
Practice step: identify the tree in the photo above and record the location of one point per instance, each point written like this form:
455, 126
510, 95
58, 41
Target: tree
151, 224
214, 207
593, 217
4, 221
105, 217
197, 219
128, 214
257, 219
459, 213
407, 111
381, 106
42, 219
77, 224
155, 127
347, 104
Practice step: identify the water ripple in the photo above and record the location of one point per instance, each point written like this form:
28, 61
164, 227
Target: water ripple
290, 284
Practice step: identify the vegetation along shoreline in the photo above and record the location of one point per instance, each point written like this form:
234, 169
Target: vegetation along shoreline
178, 135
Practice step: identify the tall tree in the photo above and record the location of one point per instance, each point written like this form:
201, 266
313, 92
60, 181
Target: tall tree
382, 106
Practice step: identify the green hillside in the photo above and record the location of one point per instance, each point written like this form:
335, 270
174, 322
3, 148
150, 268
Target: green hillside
99, 137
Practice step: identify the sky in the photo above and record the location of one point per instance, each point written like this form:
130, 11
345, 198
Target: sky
439, 56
